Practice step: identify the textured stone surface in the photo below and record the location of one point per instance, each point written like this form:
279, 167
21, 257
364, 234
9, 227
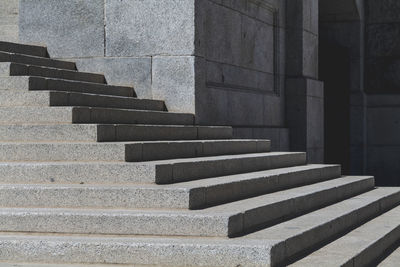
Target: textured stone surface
9, 20
70, 29
194, 194
361, 247
174, 81
128, 71
152, 27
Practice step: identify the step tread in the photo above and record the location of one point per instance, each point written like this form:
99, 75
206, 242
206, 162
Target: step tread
97, 115
251, 250
294, 236
12, 98
392, 260
160, 162
228, 219
110, 132
358, 247
128, 151
179, 195
182, 185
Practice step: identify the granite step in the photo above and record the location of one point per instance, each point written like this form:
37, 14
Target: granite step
186, 195
225, 220
36, 61
110, 132
392, 260
297, 236
362, 246
51, 84
161, 172
12, 98
26, 49
57, 115
129, 152
269, 247
17, 69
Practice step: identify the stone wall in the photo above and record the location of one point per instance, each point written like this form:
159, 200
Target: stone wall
382, 83
222, 60
9, 20
382, 46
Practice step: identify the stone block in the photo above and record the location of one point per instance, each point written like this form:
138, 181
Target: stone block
381, 40
382, 75
383, 125
383, 162
151, 27
310, 55
69, 28
382, 11
134, 72
222, 34
315, 122
174, 81
212, 106
244, 109
257, 51
273, 110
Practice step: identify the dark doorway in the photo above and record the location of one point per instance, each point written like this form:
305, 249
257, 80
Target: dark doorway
334, 69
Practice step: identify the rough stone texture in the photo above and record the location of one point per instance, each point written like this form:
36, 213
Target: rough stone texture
151, 27
127, 71
9, 20
174, 81
70, 28
279, 136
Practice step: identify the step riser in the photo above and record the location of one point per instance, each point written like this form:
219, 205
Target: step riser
179, 198
180, 172
75, 132
325, 232
363, 246
38, 83
37, 61
12, 98
128, 152
215, 224
14, 69
39, 51
264, 216
225, 193
57, 115
90, 173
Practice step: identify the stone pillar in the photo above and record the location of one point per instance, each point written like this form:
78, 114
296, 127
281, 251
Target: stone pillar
304, 93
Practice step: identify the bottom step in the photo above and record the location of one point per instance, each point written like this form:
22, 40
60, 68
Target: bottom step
392, 260
362, 246
271, 246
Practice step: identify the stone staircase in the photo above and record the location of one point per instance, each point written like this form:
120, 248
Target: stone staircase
92, 175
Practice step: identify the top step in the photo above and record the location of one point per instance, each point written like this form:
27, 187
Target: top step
32, 50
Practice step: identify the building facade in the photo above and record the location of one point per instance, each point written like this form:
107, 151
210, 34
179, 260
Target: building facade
316, 76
